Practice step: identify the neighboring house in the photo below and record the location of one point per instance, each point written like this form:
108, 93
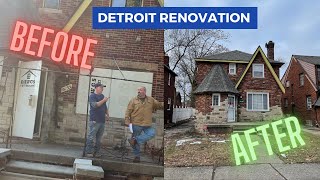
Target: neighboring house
54, 108
237, 86
301, 81
170, 89
177, 102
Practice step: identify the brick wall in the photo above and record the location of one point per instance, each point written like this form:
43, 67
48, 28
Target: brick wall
296, 94
266, 84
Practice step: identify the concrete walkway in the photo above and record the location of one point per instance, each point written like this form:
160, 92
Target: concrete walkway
246, 172
262, 152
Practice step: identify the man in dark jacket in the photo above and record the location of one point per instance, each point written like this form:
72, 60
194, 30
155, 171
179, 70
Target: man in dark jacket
98, 115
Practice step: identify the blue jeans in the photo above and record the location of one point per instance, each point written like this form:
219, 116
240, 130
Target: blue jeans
95, 133
148, 133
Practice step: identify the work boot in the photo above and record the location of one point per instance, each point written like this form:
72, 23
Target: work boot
89, 155
132, 142
97, 155
136, 160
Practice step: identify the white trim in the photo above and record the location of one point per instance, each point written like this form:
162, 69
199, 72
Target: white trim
260, 110
169, 79
234, 108
234, 67
169, 107
219, 98
300, 85
59, 5
308, 96
257, 64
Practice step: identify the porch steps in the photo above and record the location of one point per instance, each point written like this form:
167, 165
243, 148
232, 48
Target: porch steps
42, 158
39, 169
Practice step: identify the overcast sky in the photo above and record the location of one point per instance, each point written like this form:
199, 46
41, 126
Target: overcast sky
294, 26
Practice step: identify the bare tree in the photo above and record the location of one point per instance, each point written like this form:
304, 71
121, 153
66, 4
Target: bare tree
184, 46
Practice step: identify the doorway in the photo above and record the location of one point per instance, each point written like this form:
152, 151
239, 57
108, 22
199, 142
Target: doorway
231, 108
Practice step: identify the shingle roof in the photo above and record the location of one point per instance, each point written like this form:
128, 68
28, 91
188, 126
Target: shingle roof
309, 59
231, 55
235, 56
12, 10
216, 81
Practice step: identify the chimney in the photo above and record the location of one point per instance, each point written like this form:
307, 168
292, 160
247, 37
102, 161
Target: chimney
270, 50
166, 60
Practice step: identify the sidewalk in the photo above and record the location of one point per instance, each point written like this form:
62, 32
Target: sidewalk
246, 172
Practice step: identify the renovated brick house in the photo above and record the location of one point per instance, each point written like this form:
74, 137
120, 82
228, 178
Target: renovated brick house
236, 86
55, 108
301, 81
170, 89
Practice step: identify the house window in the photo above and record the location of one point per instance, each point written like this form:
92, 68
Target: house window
301, 79
215, 99
169, 79
126, 3
232, 68
287, 84
257, 101
52, 4
309, 103
286, 102
258, 70
169, 104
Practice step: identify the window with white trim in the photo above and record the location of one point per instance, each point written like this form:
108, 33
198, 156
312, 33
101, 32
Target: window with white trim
169, 79
257, 101
258, 70
286, 103
287, 84
215, 99
301, 79
52, 4
309, 103
126, 3
232, 68
169, 104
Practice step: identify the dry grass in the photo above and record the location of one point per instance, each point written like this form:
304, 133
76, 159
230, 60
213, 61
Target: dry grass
205, 154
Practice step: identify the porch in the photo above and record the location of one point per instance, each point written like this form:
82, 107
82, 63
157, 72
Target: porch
56, 160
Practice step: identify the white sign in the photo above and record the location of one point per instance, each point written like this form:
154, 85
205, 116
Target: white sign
66, 88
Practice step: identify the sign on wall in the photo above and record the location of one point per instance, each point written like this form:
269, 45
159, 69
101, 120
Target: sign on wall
120, 91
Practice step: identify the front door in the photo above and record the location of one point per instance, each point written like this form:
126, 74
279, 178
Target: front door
231, 108
27, 91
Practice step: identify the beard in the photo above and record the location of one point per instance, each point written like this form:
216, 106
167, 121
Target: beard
141, 96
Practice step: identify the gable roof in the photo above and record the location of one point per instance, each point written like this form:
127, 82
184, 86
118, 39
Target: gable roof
230, 56
275, 76
235, 56
216, 81
309, 59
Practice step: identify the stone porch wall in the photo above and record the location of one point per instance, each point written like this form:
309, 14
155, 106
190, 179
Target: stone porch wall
6, 97
250, 116
71, 129
218, 115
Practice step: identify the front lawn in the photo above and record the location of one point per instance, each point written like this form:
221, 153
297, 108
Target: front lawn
309, 153
205, 154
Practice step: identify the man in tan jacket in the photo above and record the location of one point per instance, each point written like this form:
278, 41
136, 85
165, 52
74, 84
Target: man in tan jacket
139, 113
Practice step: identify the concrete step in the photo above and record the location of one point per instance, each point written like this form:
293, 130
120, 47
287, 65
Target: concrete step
39, 169
16, 176
42, 158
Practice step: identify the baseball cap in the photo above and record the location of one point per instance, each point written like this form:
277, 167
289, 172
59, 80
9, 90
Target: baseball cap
98, 84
